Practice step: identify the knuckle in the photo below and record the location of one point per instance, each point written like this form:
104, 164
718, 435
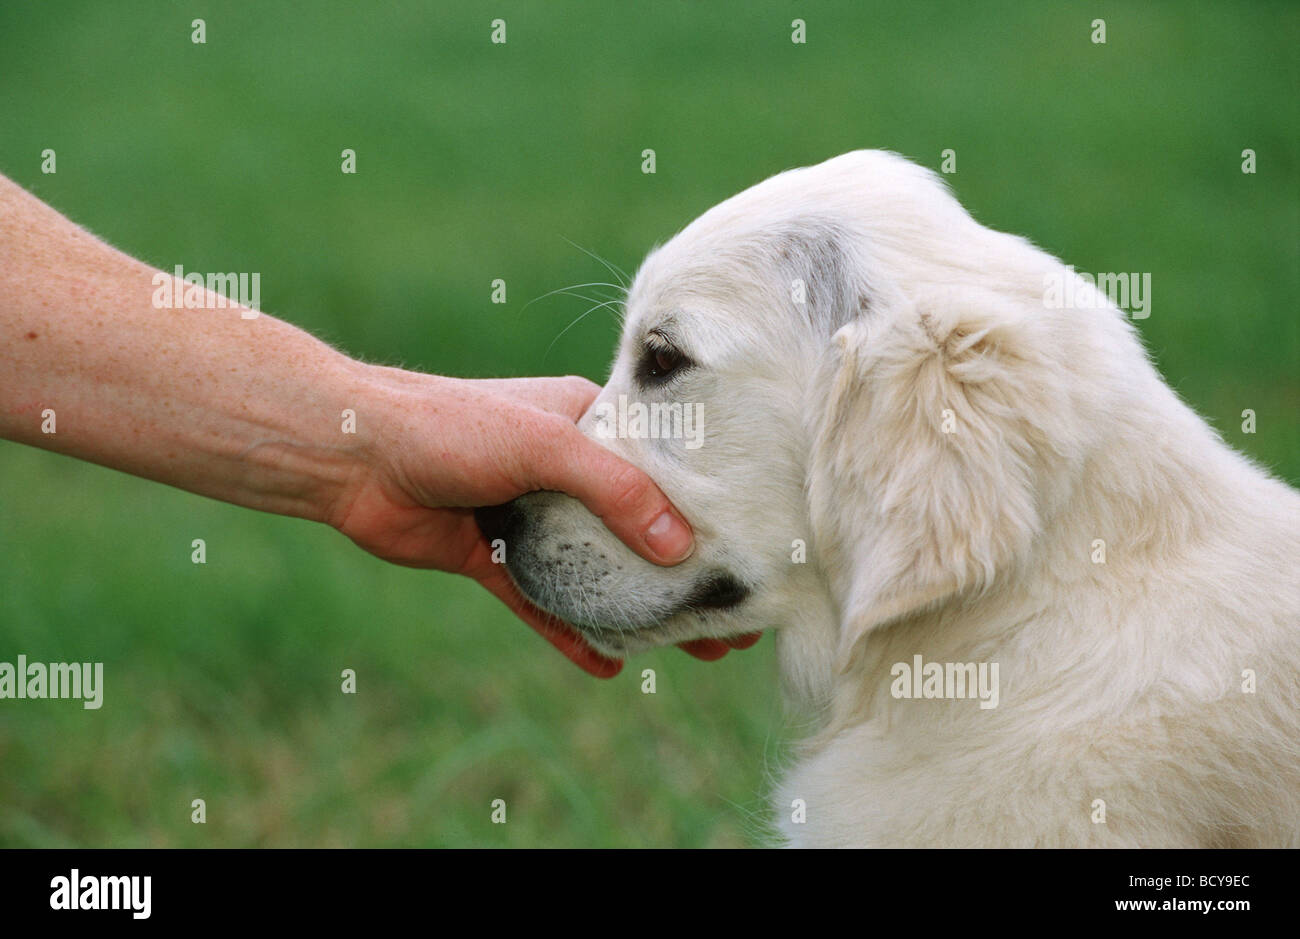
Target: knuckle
551, 427
579, 389
549, 433
630, 489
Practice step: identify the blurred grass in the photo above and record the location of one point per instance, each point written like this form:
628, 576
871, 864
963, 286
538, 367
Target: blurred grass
477, 161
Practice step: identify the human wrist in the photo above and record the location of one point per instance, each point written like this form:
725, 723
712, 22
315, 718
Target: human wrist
382, 400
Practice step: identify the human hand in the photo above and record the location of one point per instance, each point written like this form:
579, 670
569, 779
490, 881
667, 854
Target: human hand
449, 445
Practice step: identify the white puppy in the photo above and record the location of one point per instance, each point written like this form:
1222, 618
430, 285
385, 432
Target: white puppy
900, 445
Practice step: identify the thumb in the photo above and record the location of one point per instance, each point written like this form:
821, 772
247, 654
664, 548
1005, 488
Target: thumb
619, 494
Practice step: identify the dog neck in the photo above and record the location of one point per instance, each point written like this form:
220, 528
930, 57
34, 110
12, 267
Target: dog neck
1154, 512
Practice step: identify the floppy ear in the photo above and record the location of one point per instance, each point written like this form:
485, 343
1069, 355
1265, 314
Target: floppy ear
931, 452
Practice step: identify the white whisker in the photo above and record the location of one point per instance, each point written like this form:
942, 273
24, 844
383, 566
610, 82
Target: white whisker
613, 268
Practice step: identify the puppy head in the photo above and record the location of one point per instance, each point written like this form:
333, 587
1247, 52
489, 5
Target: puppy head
705, 396
786, 369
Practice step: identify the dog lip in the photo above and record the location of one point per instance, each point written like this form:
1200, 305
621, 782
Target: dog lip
719, 590
496, 521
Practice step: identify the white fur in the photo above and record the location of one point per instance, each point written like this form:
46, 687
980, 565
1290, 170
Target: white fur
1120, 681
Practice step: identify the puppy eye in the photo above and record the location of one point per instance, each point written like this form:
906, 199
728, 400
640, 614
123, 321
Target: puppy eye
659, 363
665, 362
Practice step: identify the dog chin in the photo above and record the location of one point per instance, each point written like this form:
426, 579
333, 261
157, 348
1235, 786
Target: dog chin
633, 640
678, 627
627, 629
617, 635
620, 643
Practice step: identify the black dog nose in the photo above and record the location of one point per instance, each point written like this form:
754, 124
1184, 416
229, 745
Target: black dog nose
497, 521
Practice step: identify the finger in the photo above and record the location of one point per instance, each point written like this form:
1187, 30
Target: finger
623, 497
569, 396
743, 642
709, 650
554, 630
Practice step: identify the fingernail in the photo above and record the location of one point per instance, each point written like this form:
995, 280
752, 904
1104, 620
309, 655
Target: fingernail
669, 538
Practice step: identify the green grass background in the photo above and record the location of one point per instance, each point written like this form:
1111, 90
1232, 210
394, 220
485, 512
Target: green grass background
477, 161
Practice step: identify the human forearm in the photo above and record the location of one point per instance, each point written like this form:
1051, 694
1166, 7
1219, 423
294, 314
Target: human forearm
248, 410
